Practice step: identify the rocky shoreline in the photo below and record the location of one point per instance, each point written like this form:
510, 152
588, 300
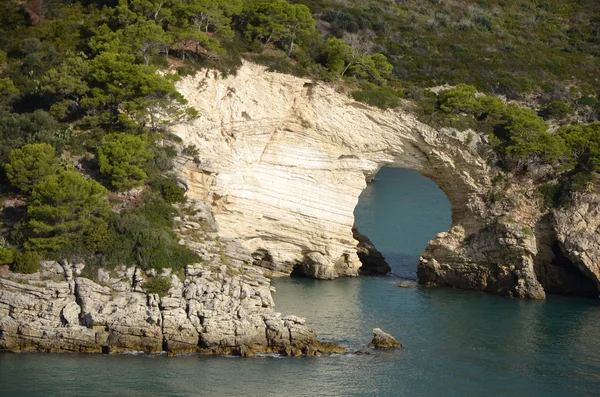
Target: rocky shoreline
226, 310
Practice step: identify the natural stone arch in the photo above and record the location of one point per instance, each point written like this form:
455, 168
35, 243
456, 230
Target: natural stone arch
283, 161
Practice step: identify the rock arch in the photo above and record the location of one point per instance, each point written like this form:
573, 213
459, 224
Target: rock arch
283, 162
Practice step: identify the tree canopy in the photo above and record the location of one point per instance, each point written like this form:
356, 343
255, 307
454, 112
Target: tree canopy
30, 164
63, 207
122, 158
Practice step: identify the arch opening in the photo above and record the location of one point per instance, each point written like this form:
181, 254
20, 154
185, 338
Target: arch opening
400, 211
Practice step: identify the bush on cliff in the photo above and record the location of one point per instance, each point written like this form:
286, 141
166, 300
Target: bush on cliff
143, 237
158, 285
381, 97
30, 164
6, 256
63, 210
170, 191
122, 158
27, 262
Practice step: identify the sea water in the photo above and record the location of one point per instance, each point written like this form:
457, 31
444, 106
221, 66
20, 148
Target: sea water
457, 343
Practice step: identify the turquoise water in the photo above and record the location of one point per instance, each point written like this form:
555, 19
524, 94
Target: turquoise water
458, 343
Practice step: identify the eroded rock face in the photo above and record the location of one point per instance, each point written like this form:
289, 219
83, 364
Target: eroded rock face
214, 310
578, 233
283, 161
498, 259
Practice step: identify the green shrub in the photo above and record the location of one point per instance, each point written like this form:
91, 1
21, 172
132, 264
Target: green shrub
158, 285
583, 182
62, 208
556, 110
186, 71
30, 164
469, 139
553, 194
122, 158
143, 237
27, 262
380, 97
6, 256
169, 190
97, 235
460, 99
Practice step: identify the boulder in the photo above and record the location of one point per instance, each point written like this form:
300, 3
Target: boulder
383, 340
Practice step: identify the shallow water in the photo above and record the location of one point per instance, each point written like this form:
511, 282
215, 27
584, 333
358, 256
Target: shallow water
458, 343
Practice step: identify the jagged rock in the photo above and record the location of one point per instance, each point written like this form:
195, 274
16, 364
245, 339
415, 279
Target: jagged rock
407, 284
578, 233
383, 340
227, 311
498, 259
372, 260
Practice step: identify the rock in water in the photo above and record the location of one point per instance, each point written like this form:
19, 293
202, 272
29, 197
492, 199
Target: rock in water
383, 340
372, 260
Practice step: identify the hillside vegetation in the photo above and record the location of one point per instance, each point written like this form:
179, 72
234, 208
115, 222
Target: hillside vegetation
87, 96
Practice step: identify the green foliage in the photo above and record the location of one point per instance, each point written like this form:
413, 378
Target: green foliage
380, 97
27, 262
6, 255
527, 231
557, 110
63, 209
122, 158
343, 60
30, 164
143, 237
583, 182
128, 94
278, 22
553, 194
469, 139
65, 85
460, 99
158, 285
583, 143
169, 190
17, 130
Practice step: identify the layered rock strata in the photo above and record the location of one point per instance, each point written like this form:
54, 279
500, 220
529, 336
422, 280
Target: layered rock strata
213, 310
283, 161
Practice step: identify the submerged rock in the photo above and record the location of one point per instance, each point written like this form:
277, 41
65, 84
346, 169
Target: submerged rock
383, 340
407, 284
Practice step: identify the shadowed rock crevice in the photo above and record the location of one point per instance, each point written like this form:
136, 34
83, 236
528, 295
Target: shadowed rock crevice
554, 269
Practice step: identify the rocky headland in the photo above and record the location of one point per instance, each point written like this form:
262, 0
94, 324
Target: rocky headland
211, 310
282, 162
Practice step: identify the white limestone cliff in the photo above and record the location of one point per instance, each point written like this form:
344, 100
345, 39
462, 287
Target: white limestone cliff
283, 161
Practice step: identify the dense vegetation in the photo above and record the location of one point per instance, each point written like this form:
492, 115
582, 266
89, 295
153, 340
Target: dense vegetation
85, 115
